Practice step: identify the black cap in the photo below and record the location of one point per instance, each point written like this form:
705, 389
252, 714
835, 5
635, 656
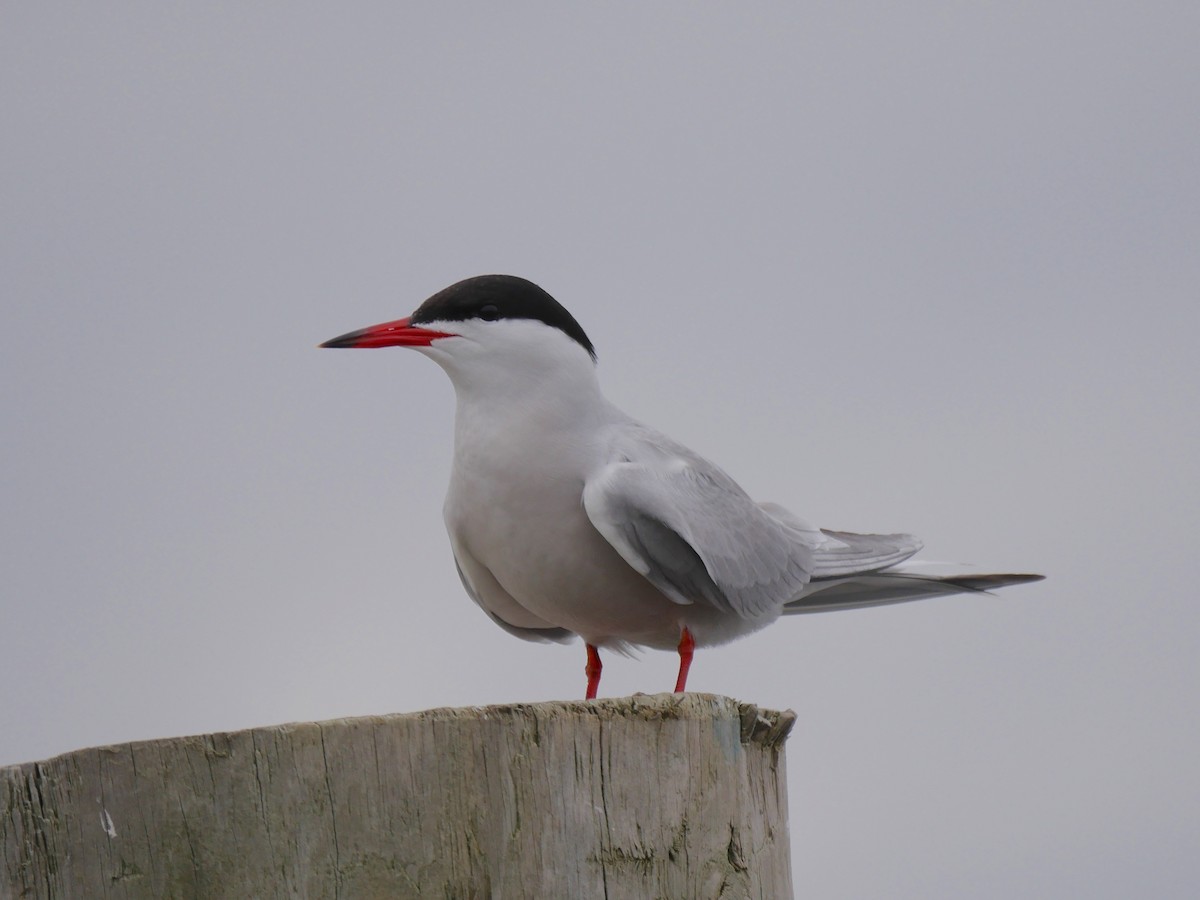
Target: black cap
493, 297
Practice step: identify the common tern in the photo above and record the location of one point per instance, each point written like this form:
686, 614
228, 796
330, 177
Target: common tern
568, 517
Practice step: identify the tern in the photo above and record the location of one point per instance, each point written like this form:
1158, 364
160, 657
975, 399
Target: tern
569, 518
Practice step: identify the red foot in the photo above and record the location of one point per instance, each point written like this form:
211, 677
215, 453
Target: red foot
592, 670
686, 646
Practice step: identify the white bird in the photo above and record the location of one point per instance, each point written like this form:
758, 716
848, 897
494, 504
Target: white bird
568, 517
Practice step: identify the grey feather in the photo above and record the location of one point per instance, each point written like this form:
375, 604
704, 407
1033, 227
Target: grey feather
891, 586
844, 553
688, 528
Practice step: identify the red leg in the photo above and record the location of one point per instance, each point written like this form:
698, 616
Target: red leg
592, 670
686, 646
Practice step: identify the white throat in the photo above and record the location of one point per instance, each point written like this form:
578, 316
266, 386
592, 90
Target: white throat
525, 394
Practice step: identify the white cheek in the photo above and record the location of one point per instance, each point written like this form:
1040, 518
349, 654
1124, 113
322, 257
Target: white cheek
504, 343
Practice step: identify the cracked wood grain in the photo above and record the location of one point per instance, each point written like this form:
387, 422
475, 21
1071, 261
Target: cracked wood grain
671, 796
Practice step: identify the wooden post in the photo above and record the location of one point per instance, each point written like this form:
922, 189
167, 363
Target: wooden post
673, 796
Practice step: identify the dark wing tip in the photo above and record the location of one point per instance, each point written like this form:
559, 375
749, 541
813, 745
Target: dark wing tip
991, 582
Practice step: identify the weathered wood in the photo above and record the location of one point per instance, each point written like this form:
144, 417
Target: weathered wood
676, 796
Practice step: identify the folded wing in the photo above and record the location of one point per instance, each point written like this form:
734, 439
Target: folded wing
688, 528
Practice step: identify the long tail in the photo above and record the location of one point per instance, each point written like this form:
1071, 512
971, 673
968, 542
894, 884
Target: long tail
909, 580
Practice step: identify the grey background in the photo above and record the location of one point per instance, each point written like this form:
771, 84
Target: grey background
914, 267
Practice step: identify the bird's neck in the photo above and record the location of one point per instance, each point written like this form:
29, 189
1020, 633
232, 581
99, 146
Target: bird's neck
529, 413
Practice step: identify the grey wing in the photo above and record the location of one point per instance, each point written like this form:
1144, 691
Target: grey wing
912, 580
855, 571
694, 534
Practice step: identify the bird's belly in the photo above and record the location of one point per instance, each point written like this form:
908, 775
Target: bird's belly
546, 554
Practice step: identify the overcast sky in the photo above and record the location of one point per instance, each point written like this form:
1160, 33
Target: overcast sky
915, 267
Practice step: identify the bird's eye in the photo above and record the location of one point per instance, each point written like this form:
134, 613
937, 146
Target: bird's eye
489, 313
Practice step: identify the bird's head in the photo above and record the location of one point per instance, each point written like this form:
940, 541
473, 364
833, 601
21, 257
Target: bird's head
486, 327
